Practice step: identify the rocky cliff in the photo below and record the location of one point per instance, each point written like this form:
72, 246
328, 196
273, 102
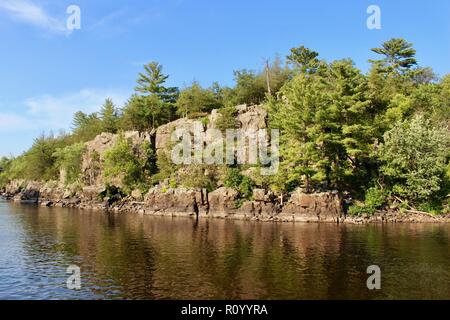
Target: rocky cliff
163, 200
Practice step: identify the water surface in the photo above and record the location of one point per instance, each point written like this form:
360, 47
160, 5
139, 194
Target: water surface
143, 257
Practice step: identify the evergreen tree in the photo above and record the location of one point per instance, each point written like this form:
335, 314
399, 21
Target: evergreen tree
109, 116
195, 100
151, 82
144, 113
398, 56
304, 59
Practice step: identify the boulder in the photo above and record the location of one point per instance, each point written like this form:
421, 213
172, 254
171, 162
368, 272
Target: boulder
213, 119
137, 195
259, 210
263, 195
172, 201
314, 207
222, 201
164, 132
252, 118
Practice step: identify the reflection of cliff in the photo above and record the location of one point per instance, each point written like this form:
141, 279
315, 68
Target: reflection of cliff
131, 256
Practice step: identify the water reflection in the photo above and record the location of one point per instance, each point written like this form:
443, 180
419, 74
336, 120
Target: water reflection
141, 257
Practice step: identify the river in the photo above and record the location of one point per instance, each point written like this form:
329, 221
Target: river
143, 257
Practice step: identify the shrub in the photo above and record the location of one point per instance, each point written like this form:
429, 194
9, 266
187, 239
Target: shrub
69, 159
375, 199
242, 184
132, 168
414, 159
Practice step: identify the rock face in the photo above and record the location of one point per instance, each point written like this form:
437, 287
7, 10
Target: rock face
31, 192
164, 133
252, 118
318, 207
222, 202
174, 202
263, 206
315, 207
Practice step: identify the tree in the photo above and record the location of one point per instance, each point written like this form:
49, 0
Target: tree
325, 128
144, 113
443, 111
40, 160
151, 82
304, 59
294, 114
250, 88
156, 104
414, 159
195, 100
69, 160
86, 127
109, 117
398, 56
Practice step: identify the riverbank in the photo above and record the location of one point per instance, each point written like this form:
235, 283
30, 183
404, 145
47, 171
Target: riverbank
224, 203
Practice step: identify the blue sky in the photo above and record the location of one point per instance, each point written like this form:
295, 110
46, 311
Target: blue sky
48, 73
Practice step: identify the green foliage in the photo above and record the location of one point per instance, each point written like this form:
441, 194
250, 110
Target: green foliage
198, 176
86, 127
151, 83
304, 59
144, 113
109, 117
69, 160
414, 157
39, 163
325, 128
250, 88
130, 169
166, 168
227, 119
253, 87
196, 100
398, 56
5, 164
156, 104
242, 184
375, 199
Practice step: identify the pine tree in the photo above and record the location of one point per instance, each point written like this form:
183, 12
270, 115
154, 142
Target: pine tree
151, 82
304, 59
109, 117
398, 56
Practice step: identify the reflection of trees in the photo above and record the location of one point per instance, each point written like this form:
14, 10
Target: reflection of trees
131, 256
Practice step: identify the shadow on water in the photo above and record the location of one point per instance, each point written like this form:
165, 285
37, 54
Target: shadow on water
143, 257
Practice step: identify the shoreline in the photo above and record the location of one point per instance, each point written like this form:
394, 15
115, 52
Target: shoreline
128, 206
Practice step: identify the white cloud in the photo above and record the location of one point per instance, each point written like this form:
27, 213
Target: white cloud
55, 112
28, 12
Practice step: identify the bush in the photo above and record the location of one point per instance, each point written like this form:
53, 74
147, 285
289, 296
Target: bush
69, 159
132, 168
242, 184
414, 159
375, 199
198, 176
